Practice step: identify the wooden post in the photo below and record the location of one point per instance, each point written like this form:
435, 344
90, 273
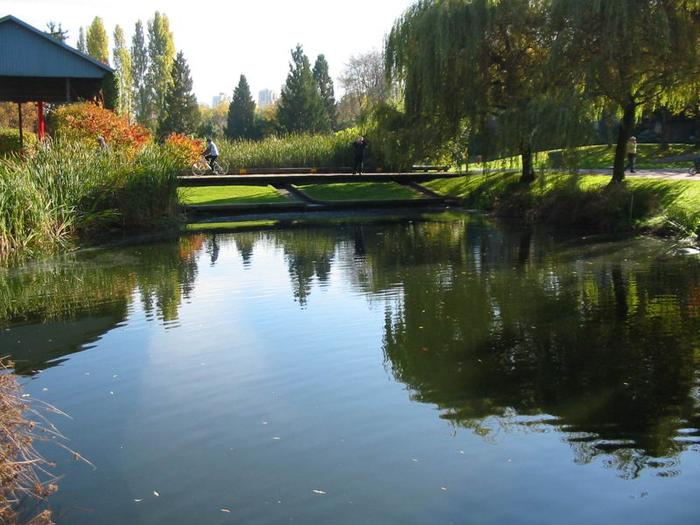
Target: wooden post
68, 90
21, 131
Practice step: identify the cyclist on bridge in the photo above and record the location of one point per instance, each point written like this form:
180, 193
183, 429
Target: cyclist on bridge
211, 153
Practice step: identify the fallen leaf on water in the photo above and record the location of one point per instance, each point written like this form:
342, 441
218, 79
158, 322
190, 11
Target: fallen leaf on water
319, 492
155, 493
227, 511
424, 349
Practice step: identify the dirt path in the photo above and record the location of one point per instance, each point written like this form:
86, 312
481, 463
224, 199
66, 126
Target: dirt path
659, 173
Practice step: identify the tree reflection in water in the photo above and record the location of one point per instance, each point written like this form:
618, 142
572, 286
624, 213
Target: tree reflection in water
502, 330
61, 305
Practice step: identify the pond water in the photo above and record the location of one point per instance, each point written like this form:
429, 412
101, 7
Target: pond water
408, 372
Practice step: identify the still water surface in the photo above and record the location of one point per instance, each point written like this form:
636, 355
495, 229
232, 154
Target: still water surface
414, 372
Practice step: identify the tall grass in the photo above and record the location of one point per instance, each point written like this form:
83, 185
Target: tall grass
292, 151
70, 189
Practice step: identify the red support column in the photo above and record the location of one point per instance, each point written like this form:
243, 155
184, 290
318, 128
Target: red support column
41, 121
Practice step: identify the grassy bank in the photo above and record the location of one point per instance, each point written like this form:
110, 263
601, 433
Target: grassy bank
71, 190
586, 201
649, 156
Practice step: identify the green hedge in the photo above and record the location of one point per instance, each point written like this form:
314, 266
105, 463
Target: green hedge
9, 141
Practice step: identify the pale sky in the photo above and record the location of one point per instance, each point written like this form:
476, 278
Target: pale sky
223, 38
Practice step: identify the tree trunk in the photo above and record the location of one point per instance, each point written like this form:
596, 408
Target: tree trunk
665, 130
528, 173
624, 134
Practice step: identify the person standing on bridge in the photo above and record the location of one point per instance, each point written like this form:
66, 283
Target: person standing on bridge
211, 153
631, 153
358, 148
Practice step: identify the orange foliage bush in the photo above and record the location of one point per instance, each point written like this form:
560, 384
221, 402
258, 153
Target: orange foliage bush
183, 148
85, 121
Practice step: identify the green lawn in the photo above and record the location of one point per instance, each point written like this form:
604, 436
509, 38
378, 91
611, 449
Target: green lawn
649, 156
230, 195
359, 191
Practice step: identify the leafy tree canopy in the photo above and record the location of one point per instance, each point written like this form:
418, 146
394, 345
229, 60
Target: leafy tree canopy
97, 41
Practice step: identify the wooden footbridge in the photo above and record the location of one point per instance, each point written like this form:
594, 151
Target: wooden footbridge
290, 182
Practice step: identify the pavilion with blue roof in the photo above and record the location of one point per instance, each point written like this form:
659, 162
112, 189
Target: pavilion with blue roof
35, 67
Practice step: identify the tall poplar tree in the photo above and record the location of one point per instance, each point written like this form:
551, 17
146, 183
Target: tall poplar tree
241, 112
82, 46
122, 65
161, 55
327, 92
139, 69
97, 41
180, 109
632, 55
300, 106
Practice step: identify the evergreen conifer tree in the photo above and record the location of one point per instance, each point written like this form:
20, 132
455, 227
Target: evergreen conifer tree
241, 112
97, 41
122, 65
139, 68
161, 55
300, 106
325, 88
180, 109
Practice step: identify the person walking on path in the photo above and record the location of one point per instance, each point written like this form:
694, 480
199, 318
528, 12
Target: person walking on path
631, 153
358, 148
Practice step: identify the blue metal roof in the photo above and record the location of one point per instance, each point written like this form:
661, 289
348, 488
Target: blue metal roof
28, 52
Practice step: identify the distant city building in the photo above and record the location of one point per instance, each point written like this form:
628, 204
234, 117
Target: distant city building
266, 98
218, 99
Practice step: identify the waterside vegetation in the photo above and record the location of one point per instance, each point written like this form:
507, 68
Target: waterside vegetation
69, 189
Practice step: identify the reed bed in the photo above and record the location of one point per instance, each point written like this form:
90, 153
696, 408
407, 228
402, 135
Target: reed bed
69, 189
292, 151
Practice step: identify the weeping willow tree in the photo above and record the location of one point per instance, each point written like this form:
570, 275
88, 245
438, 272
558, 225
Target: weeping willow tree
630, 55
485, 66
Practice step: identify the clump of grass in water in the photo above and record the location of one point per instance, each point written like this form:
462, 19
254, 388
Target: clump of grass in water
69, 189
23, 471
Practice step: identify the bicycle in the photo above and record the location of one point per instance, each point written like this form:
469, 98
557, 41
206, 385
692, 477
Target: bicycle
202, 167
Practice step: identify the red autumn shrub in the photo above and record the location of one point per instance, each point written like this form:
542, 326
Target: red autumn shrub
183, 148
85, 121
